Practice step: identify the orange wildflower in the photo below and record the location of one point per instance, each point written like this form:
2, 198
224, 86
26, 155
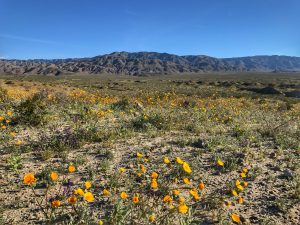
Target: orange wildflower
123, 195
72, 199
55, 204
54, 176
71, 168
29, 179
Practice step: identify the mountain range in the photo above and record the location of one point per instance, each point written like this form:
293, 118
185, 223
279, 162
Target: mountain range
142, 63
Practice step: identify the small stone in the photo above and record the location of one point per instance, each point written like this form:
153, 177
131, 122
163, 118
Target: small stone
287, 174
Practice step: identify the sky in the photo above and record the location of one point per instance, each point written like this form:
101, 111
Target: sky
83, 28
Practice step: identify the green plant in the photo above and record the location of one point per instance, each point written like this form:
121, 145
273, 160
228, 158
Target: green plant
145, 122
281, 204
3, 95
121, 105
31, 111
15, 162
296, 187
2, 219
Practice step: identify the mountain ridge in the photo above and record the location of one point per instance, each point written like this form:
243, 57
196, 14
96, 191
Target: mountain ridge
142, 63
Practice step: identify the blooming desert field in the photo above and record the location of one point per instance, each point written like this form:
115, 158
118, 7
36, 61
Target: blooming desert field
202, 149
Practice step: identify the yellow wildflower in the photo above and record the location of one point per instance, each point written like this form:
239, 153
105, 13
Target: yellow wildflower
243, 175
139, 174
176, 192
139, 154
143, 169
234, 193
241, 200
123, 195
167, 198
186, 167
71, 168
220, 163
105, 192
152, 218
154, 184
79, 191
179, 160
154, 175
54, 176
183, 208
186, 180
122, 170
89, 197
87, 185
181, 200
166, 160
240, 187
194, 193
228, 203
235, 218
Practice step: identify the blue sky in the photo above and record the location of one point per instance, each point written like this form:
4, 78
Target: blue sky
83, 28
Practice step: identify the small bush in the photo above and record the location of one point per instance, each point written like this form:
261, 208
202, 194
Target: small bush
148, 122
3, 95
120, 105
15, 162
31, 111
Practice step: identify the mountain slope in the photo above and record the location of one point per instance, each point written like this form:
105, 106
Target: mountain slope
140, 63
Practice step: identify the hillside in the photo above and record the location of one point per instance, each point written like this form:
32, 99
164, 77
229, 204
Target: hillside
140, 63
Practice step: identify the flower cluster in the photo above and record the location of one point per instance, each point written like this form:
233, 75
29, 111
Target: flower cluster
171, 183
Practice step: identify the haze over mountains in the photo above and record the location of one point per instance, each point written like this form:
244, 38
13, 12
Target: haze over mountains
141, 63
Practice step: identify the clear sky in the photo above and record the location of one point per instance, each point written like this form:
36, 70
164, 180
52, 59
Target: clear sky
83, 28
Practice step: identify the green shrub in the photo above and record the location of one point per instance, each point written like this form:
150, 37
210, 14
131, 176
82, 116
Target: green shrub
31, 111
121, 105
154, 121
3, 95
15, 162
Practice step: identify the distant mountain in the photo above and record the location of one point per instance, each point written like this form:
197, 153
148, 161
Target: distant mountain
141, 63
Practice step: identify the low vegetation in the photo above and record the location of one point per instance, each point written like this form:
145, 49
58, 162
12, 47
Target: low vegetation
120, 150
